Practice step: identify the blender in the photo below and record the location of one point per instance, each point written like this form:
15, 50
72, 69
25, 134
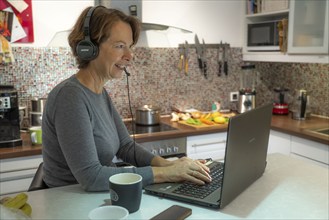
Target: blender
247, 92
280, 106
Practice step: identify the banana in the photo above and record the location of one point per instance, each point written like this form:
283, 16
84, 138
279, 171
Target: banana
4, 199
27, 209
17, 202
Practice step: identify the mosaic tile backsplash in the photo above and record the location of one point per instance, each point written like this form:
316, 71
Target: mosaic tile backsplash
155, 79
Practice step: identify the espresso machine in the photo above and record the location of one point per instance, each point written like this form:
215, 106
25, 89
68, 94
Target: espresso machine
10, 135
247, 92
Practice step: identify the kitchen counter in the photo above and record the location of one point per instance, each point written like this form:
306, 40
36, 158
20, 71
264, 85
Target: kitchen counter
280, 123
300, 192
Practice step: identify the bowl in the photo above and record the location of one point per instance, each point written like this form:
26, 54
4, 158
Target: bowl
108, 212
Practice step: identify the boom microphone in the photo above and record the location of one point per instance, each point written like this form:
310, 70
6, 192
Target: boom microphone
131, 114
127, 73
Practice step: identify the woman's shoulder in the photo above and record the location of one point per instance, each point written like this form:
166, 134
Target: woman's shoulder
70, 83
68, 87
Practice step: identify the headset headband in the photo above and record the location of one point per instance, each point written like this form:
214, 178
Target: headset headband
86, 25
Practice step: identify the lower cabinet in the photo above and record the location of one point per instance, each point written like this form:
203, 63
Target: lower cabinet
16, 174
311, 151
213, 146
207, 146
279, 143
297, 147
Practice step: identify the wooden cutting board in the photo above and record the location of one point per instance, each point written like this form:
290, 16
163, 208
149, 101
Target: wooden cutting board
203, 126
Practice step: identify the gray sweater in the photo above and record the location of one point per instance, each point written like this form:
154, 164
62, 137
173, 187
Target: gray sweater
81, 133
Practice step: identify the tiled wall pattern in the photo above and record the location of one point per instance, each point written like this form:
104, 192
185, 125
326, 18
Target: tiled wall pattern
155, 79
295, 76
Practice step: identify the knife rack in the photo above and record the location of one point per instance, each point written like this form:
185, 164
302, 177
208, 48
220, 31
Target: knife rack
207, 46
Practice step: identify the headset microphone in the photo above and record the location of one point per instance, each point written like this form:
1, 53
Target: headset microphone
131, 114
127, 73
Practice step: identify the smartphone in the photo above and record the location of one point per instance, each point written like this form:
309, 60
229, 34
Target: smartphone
174, 212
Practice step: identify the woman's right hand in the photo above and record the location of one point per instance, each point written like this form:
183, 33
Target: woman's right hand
183, 169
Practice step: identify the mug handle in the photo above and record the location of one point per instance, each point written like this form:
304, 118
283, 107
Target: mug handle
34, 137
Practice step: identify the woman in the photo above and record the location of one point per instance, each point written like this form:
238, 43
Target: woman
82, 131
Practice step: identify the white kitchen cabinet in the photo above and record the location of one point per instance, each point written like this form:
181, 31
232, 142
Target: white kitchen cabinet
279, 143
207, 146
16, 174
297, 147
305, 53
310, 151
308, 27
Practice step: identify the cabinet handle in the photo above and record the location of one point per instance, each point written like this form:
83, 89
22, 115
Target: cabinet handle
210, 143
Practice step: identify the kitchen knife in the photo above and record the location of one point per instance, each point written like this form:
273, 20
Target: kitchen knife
220, 59
225, 60
181, 59
186, 51
199, 52
204, 62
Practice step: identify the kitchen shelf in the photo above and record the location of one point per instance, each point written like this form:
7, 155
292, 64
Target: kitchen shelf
269, 14
279, 57
208, 46
295, 54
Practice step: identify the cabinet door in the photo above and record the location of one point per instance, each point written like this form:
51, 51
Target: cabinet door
310, 150
16, 174
207, 146
308, 27
279, 143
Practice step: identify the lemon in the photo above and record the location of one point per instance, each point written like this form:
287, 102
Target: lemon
215, 114
220, 120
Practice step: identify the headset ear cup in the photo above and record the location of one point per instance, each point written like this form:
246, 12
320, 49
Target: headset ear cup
87, 50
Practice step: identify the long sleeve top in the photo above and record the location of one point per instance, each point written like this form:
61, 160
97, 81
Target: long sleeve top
82, 132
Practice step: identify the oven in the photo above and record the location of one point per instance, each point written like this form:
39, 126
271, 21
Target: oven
167, 148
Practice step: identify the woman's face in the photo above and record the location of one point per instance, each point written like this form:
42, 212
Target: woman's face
115, 53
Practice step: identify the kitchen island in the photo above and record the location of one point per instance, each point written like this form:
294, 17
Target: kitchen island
289, 189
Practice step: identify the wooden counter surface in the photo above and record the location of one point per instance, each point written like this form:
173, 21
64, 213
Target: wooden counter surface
279, 123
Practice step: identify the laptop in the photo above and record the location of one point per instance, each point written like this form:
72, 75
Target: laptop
244, 162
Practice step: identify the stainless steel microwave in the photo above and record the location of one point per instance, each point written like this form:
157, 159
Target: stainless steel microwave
263, 36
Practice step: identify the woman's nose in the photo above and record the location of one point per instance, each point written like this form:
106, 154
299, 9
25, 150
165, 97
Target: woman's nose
128, 54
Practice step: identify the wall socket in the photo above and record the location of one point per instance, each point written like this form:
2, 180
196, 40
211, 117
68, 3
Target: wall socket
234, 96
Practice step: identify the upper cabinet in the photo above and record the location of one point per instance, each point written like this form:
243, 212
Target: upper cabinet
302, 37
309, 27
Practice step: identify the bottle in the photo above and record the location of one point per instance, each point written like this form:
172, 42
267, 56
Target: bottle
215, 106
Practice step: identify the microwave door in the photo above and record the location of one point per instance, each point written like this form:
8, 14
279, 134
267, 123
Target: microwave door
261, 36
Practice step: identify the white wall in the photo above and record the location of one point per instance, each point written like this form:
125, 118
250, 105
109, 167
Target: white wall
213, 20
51, 16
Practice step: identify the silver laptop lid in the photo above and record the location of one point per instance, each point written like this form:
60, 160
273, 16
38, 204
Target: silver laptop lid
246, 151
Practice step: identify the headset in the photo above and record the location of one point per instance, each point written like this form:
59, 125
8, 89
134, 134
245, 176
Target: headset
86, 49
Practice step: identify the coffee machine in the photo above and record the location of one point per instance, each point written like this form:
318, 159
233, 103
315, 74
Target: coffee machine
9, 117
247, 93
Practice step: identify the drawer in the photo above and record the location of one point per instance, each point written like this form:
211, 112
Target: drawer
310, 149
20, 163
22, 174
207, 146
15, 186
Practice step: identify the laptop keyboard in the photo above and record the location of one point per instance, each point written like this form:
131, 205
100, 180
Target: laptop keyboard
197, 191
